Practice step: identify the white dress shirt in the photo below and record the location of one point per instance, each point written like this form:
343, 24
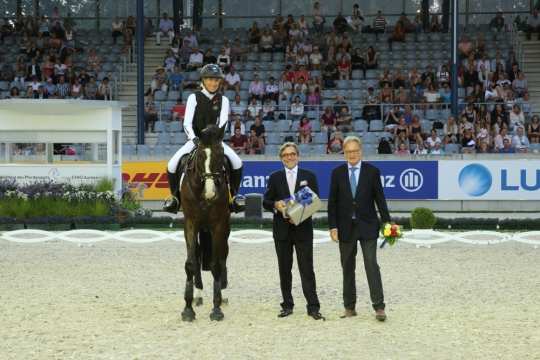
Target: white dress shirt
291, 175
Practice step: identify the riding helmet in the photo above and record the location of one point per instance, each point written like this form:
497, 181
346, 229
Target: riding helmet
211, 71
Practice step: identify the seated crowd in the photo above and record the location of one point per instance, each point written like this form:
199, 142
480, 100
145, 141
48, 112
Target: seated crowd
53, 62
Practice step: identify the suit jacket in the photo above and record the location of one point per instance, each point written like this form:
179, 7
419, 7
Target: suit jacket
29, 72
342, 204
278, 189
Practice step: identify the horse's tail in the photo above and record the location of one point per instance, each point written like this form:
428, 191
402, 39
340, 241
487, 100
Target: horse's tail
205, 249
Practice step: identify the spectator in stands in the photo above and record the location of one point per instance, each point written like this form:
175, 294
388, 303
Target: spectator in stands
497, 23
237, 124
254, 108
533, 24
43, 27
159, 80
500, 138
6, 29
468, 144
520, 142
432, 140
483, 148
304, 130
271, 90
268, 109
170, 61
63, 88
76, 89
465, 47
209, 57
50, 90
94, 62
237, 106
420, 148
255, 144
517, 118
340, 24
519, 85
196, 60
318, 19
266, 43
35, 88
330, 75
451, 130
176, 79
344, 67
14, 93
166, 27
379, 24
254, 36
91, 89
256, 88
301, 58
335, 143
315, 58
344, 120
238, 52
398, 34
314, 99
232, 79
435, 25
223, 59
150, 113
328, 121
403, 149
117, 28
105, 90
392, 118
507, 147
239, 141
178, 111
259, 128
297, 109
533, 130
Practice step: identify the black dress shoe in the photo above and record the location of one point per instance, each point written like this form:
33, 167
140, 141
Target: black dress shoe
316, 315
285, 312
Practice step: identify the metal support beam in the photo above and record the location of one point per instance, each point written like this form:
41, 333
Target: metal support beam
178, 14
455, 60
140, 71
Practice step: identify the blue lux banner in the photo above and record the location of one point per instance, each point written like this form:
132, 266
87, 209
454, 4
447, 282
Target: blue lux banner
401, 180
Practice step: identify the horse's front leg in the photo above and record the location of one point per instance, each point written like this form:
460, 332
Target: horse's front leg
220, 251
188, 314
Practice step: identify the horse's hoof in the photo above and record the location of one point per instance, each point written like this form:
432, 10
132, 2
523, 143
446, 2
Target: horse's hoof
188, 315
216, 315
198, 301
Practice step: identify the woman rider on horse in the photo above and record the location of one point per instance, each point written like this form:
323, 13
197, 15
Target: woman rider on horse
204, 107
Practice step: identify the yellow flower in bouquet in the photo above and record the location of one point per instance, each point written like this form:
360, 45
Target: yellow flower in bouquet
391, 232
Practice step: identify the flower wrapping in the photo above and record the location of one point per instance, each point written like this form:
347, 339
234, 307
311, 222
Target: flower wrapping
302, 206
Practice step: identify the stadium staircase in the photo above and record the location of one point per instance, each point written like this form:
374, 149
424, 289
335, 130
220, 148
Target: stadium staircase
531, 67
153, 58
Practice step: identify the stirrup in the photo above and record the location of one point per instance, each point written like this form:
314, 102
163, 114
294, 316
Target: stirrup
171, 204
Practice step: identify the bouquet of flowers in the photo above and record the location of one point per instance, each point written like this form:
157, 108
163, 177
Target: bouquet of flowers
390, 232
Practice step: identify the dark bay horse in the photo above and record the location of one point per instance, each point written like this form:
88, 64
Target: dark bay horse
205, 200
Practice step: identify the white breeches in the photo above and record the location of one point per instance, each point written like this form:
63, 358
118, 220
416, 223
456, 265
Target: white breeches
170, 34
233, 157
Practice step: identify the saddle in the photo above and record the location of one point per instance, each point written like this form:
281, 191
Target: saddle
187, 162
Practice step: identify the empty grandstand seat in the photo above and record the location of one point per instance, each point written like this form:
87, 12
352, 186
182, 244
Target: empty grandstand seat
179, 138
360, 125
143, 150
160, 126
452, 148
320, 138
273, 138
376, 125
160, 150
164, 138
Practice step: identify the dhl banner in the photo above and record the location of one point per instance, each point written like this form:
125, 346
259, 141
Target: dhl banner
147, 179
401, 180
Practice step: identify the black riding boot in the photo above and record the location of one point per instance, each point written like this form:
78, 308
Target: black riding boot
172, 204
236, 178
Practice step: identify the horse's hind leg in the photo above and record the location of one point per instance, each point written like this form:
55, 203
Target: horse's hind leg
188, 314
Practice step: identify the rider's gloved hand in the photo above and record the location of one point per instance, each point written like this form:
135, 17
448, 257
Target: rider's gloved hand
196, 141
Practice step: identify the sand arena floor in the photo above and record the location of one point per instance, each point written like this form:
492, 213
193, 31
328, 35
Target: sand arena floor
115, 300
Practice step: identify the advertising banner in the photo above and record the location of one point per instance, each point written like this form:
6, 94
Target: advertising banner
489, 180
403, 180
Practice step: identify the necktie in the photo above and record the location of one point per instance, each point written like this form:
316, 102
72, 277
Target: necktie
291, 182
352, 180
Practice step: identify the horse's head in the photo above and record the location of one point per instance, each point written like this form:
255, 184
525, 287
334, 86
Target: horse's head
211, 161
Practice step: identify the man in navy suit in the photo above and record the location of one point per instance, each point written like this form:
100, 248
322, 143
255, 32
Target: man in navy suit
355, 188
283, 184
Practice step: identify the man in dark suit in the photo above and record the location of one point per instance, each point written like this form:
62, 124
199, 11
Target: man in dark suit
287, 236
355, 188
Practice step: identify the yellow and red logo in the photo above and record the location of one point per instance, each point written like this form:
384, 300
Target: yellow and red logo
148, 179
